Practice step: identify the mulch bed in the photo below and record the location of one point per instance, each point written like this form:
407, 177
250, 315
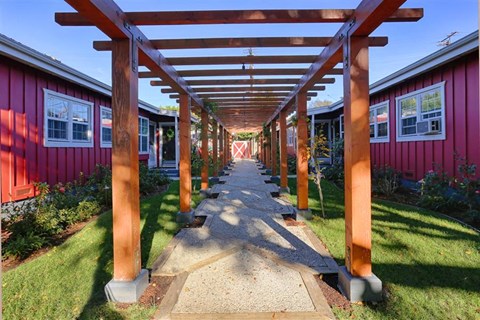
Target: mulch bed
328, 285
291, 222
197, 222
153, 295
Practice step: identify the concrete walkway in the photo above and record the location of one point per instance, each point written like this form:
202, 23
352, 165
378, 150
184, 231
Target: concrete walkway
244, 263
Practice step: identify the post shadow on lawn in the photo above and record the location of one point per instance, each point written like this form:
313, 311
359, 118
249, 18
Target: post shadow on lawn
103, 273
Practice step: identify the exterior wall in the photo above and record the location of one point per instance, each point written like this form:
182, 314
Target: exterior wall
24, 159
462, 116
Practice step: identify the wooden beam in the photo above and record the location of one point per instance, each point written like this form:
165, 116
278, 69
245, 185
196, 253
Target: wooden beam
185, 154
204, 137
111, 20
238, 16
357, 160
273, 147
208, 96
125, 183
240, 60
223, 82
368, 16
283, 151
246, 89
224, 43
302, 154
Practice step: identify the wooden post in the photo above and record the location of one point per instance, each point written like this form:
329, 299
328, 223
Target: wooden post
185, 155
204, 174
125, 173
268, 149
357, 158
274, 147
302, 156
221, 142
225, 147
283, 151
215, 148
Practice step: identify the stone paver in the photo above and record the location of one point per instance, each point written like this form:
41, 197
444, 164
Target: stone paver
244, 260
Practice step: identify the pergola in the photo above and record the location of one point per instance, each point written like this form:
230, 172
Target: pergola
247, 99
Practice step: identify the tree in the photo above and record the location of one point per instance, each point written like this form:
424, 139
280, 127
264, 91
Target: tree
318, 150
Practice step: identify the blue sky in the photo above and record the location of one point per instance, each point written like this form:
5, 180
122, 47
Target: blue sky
31, 22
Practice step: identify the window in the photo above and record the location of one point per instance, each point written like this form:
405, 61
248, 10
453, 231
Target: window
379, 122
105, 127
68, 121
290, 136
143, 135
421, 114
342, 125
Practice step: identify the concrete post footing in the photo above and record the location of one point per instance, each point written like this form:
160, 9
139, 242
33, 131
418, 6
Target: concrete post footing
284, 190
127, 291
185, 217
359, 288
305, 213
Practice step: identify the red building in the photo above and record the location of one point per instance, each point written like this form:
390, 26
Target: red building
424, 114
56, 123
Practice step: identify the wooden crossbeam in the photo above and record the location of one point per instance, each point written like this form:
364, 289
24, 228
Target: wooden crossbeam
185, 61
246, 89
222, 82
242, 94
238, 16
239, 72
107, 16
368, 16
222, 43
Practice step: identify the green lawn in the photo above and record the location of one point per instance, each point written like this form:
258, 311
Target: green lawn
429, 265
68, 281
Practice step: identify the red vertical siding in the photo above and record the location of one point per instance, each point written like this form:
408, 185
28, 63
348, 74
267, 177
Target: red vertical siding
462, 125
24, 158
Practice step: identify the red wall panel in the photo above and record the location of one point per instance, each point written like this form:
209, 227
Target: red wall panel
462, 122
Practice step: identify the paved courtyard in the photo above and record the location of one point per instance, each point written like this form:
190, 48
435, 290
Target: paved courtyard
245, 262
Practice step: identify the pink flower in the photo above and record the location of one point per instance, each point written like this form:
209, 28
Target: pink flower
477, 192
61, 190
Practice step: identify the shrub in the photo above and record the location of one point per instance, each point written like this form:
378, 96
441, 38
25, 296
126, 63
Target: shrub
23, 245
151, 180
385, 180
335, 172
468, 186
434, 189
292, 164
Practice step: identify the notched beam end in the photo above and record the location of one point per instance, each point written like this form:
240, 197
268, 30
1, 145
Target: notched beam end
102, 45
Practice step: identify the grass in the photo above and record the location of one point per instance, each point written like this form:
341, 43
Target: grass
68, 281
429, 265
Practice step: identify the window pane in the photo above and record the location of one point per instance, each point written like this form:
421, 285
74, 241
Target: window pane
144, 144
57, 108
106, 118
409, 107
372, 131
80, 113
372, 116
57, 129
80, 132
409, 126
382, 114
106, 135
382, 130
431, 101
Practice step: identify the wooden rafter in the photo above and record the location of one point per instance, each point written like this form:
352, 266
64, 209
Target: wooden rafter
185, 61
246, 89
218, 43
238, 16
242, 94
367, 17
221, 82
239, 72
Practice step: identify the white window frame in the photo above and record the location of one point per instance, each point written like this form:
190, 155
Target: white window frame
140, 135
69, 142
104, 144
416, 95
290, 136
341, 119
374, 108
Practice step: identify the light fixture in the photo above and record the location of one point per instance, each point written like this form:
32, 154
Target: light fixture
243, 66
